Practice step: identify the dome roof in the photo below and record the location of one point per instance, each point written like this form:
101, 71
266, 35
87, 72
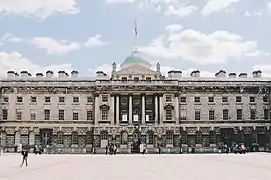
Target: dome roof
135, 59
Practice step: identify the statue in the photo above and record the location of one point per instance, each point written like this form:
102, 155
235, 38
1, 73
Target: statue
114, 67
158, 69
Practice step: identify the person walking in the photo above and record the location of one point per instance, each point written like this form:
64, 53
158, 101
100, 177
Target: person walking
24, 153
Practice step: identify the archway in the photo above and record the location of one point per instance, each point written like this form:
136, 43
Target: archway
104, 138
136, 141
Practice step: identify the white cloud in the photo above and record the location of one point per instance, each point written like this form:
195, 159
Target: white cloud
55, 47
172, 28
249, 14
213, 6
38, 8
265, 68
9, 38
180, 11
167, 7
200, 48
16, 62
95, 41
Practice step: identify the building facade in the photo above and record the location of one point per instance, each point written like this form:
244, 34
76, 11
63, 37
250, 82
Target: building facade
134, 105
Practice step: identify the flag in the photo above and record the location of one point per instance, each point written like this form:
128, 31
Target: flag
135, 28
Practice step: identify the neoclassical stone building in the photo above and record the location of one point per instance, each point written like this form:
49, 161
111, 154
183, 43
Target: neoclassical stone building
134, 105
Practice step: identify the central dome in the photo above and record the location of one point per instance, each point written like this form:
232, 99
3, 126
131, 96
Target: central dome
135, 59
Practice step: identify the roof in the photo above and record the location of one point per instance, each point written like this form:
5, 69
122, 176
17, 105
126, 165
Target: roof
135, 58
137, 69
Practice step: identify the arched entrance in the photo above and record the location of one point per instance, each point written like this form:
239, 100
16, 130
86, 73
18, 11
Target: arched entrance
136, 141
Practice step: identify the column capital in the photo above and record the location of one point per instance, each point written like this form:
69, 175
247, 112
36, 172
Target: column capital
143, 94
96, 94
113, 94
177, 94
130, 94
160, 94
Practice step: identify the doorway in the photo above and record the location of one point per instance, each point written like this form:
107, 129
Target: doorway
136, 142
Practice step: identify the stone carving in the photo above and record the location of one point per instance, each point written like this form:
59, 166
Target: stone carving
205, 130
10, 130
191, 130
56, 130
247, 130
82, 130
36, 130
67, 130
24, 130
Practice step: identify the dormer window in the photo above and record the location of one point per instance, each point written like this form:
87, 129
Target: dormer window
136, 79
124, 79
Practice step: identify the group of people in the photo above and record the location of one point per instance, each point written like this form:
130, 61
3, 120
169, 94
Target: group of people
111, 149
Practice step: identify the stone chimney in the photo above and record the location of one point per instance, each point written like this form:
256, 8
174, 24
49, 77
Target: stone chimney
24, 74
74, 74
49, 74
232, 75
257, 74
221, 74
11, 74
195, 73
39, 75
243, 75
62, 74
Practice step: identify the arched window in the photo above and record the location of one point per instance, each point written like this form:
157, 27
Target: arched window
104, 135
74, 137
169, 137
124, 138
150, 137
89, 138
60, 138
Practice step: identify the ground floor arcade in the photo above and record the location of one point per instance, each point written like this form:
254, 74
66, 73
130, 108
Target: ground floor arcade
85, 139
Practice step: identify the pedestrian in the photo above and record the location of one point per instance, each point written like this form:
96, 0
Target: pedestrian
24, 153
106, 149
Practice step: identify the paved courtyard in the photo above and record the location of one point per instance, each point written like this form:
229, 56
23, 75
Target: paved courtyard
254, 166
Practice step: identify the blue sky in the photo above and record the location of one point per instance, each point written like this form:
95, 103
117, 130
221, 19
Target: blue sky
87, 36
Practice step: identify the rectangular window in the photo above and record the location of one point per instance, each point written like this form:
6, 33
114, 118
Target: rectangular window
136, 79
265, 99
75, 116
225, 114
124, 79
19, 99
183, 99
47, 114
122, 113
47, 99
90, 115
197, 99
75, 100
252, 99
211, 115
253, 114
4, 114
239, 113
61, 114
5, 99
90, 99
19, 114
104, 114
61, 99
197, 114
124, 101
238, 99
266, 114
224, 99
33, 115
211, 99
168, 114
168, 99
104, 98
183, 114
149, 115
33, 99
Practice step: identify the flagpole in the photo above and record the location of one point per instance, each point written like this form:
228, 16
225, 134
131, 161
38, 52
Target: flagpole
135, 38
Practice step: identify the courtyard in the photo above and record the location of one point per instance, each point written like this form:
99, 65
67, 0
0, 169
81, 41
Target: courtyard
253, 166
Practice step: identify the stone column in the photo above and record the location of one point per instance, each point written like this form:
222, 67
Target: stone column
156, 109
97, 109
177, 108
161, 113
117, 109
130, 108
112, 108
143, 118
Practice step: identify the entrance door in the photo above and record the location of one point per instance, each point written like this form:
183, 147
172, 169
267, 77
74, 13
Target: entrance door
136, 142
227, 135
46, 135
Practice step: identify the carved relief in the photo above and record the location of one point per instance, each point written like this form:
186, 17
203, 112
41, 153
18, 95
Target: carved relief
191, 130
56, 130
10, 130
82, 130
205, 130
67, 130
247, 130
24, 130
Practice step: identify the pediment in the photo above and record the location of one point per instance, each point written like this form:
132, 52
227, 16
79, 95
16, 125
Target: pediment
136, 70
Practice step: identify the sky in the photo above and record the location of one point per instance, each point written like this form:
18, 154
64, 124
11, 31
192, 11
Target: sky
89, 35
